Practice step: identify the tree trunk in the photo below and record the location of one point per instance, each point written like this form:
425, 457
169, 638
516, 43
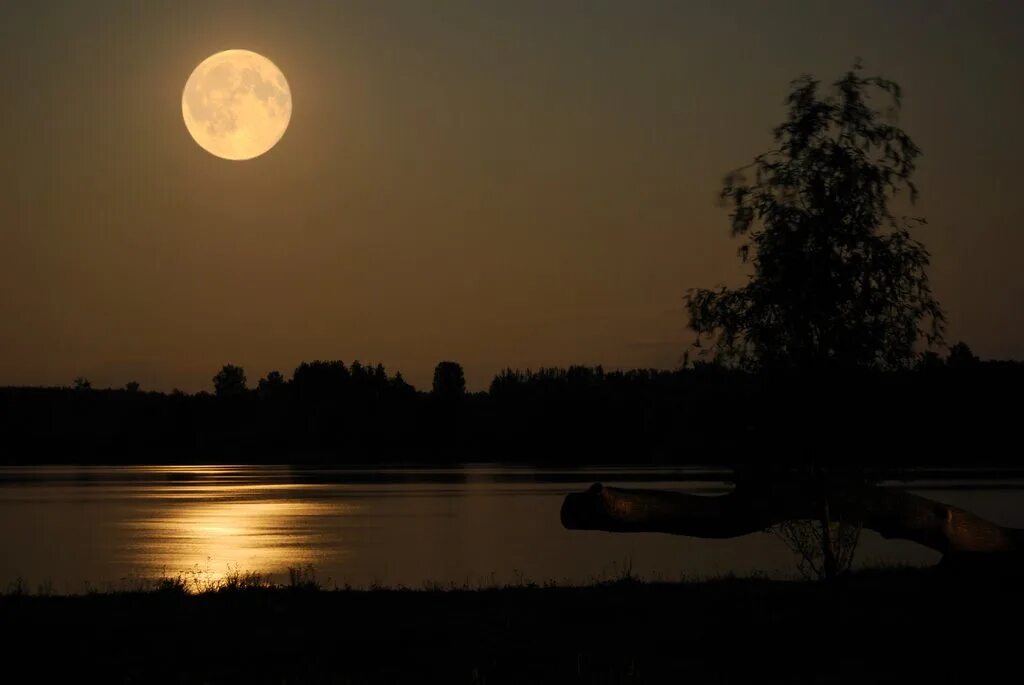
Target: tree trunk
827, 552
892, 513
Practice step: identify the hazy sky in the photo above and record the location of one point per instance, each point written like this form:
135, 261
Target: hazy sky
501, 183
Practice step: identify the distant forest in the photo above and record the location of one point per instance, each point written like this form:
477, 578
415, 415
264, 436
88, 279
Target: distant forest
816, 355
954, 410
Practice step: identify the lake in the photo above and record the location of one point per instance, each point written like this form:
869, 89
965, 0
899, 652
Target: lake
74, 528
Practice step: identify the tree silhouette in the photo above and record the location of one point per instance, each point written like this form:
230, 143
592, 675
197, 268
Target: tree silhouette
271, 386
82, 383
961, 357
229, 381
449, 380
318, 381
837, 279
838, 284
400, 387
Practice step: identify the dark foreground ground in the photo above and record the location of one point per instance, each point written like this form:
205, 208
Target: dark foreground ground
893, 626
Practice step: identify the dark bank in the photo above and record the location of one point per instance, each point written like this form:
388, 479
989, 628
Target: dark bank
895, 625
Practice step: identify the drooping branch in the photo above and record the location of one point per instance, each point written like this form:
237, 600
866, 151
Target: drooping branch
892, 513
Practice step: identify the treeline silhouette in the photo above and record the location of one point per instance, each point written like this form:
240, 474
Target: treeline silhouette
947, 410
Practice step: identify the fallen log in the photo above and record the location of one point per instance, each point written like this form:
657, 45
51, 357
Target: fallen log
893, 513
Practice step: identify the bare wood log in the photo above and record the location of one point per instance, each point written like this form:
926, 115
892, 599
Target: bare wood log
891, 512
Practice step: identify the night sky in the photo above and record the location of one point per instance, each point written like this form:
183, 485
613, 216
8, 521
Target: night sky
503, 184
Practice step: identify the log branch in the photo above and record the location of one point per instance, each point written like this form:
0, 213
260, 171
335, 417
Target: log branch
892, 513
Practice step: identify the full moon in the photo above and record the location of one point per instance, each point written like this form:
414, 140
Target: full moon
236, 104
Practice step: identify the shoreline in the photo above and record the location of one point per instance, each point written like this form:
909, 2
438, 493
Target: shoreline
883, 624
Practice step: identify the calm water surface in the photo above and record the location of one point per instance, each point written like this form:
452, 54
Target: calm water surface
72, 528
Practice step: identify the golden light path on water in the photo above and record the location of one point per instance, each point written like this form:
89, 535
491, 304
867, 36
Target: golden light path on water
76, 528
204, 532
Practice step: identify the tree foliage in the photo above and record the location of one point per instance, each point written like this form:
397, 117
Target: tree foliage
271, 386
837, 280
229, 381
962, 357
449, 380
